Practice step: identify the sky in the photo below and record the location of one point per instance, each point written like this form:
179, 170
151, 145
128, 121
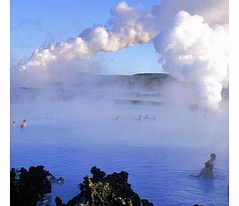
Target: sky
36, 24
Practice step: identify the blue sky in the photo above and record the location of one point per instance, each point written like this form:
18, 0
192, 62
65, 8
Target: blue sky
34, 24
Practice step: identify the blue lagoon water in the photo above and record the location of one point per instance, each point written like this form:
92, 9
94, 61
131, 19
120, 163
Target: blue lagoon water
159, 155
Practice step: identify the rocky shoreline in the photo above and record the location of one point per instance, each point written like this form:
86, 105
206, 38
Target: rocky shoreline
33, 187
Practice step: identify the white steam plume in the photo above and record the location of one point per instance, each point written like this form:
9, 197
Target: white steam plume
193, 46
193, 51
127, 29
214, 12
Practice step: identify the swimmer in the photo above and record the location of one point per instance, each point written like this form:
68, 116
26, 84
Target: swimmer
14, 124
24, 124
140, 117
207, 171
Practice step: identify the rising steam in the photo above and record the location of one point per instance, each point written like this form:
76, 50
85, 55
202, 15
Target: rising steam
195, 52
191, 37
127, 29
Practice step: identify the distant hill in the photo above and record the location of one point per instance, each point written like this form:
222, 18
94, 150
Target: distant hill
130, 81
93, 86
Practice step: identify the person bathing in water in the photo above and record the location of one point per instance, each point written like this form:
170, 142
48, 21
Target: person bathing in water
207, 171
14, 124
118, 118
24, 124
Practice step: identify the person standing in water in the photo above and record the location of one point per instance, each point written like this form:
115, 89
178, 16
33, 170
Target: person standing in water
24, 124
207, 171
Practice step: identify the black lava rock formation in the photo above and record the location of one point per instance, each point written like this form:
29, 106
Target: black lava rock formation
102, 190
29, 187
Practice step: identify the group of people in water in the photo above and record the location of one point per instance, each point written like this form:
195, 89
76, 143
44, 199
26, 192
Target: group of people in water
140, 118
23, 124
208, 171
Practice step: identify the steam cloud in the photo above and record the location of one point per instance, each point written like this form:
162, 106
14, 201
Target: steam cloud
191, 37
127, 29
195, 52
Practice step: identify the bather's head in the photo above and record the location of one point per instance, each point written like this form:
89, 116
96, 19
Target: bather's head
213, 156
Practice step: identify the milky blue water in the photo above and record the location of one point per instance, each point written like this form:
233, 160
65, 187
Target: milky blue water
159, 155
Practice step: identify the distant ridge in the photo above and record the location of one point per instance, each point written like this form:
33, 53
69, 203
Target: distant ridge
88, 79
97, 85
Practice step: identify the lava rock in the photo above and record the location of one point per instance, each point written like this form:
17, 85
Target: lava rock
97, 173
28, 187
102, 190
146, 203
